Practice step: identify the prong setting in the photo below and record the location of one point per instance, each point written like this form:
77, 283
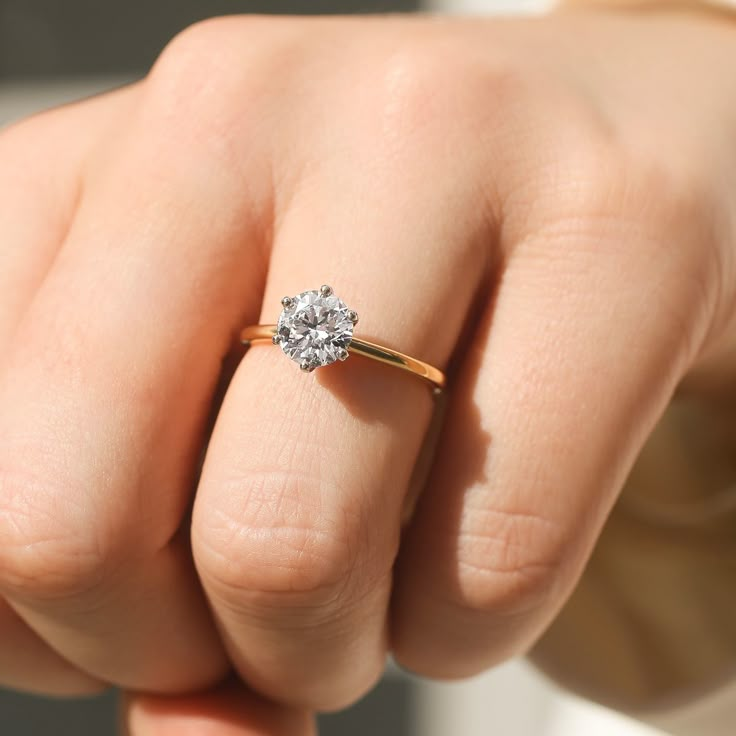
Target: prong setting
315, 328
307, 366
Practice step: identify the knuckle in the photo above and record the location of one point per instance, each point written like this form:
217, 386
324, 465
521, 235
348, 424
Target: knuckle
14, 140
509, 562
49, 549
409, 82
419, 94
610, 205
212, 80
588, 182
273, 545
583, 208
597, 176
23, 155
674, 198
190, 57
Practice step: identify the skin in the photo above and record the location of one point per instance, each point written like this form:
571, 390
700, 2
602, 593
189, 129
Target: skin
544, 208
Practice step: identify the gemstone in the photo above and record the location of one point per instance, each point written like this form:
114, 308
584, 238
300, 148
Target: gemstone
315, 328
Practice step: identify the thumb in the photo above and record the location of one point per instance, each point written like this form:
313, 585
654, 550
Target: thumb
230, 710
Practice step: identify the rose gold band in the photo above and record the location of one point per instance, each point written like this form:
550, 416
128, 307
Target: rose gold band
263, 333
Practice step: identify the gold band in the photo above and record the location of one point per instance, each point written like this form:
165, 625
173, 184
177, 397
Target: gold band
263, 333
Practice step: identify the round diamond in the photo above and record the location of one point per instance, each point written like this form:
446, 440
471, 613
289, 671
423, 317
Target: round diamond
315, 328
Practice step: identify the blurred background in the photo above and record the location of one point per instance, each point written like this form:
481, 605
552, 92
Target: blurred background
53, 52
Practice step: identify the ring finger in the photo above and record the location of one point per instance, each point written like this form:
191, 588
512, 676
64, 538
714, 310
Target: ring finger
298, 515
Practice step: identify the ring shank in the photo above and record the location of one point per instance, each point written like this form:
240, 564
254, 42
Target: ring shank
263, 333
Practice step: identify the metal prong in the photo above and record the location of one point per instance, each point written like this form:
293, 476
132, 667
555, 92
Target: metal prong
343, 354
287, 302
276, 339
325, 290
307, 366
353, 316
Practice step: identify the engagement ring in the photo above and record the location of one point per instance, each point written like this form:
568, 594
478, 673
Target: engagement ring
315, 329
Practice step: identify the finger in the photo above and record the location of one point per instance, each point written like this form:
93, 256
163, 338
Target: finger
297, 517
40, 178
575, 362
27, 663
106, 392
229, 711
40, 181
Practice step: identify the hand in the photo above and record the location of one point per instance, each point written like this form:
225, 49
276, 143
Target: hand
544, 207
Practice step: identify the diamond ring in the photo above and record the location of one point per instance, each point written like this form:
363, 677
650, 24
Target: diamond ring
315, 329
